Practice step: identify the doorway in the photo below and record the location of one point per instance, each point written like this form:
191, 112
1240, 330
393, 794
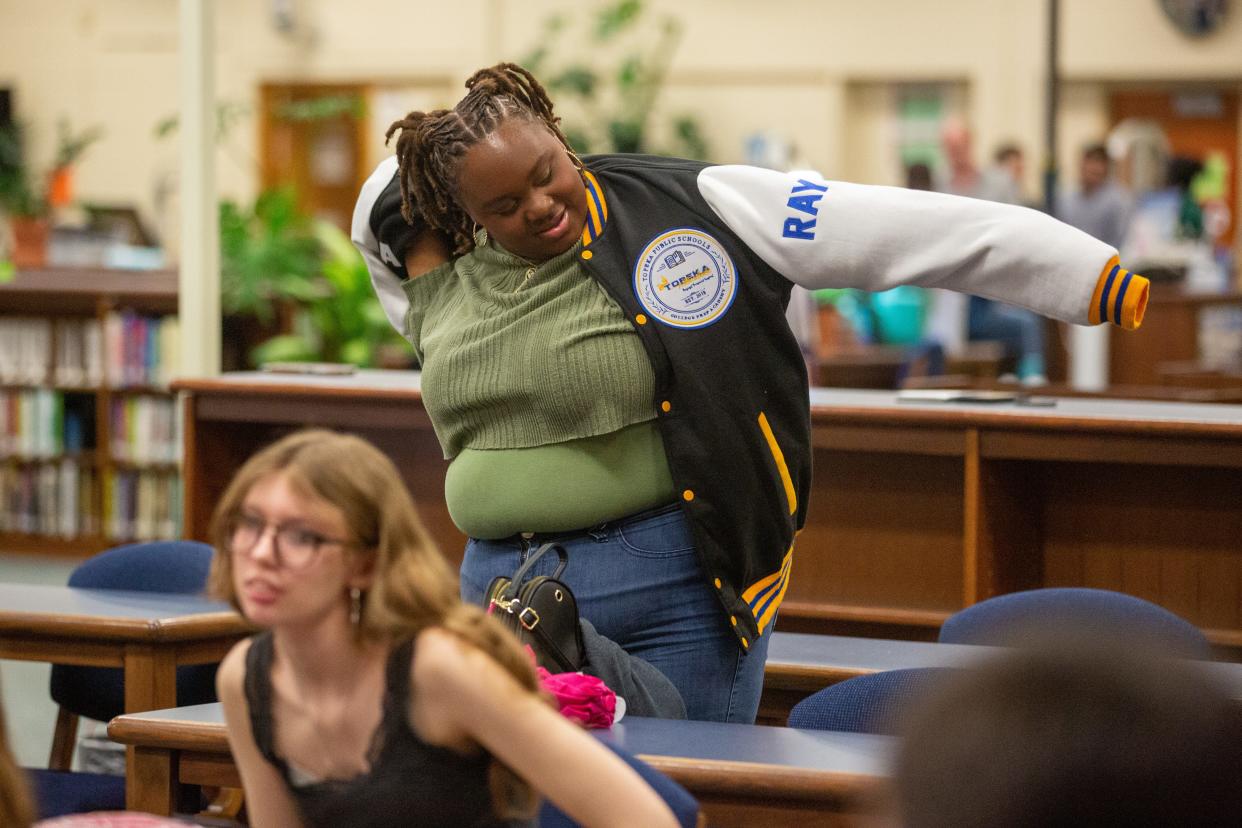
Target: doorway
312, 138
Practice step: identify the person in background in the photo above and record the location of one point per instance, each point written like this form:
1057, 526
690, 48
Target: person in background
1021, 330
374, 696
606, 360
1166, 224
1099, 206
918, 176
1072, 733
960, 176
1003, 181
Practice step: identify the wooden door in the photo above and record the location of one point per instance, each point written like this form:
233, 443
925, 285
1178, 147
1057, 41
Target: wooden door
1197, 121
312, 138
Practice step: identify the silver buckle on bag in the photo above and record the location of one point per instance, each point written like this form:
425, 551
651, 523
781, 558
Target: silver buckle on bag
524, 620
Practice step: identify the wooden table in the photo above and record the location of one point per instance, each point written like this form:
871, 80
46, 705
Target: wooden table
146, 634
916, 510
743, 775
799, 665
1170, 332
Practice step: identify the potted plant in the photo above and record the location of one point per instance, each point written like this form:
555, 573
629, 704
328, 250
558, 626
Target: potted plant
22, 202
616, 92
27, 200
341, 319
269, 265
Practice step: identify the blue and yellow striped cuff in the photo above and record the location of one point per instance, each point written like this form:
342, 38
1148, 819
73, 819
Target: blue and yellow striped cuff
1120, 297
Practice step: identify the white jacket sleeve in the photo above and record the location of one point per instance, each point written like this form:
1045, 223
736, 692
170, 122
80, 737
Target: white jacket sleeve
821, 234
386, 281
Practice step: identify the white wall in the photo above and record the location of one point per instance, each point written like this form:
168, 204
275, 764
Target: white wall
788, 65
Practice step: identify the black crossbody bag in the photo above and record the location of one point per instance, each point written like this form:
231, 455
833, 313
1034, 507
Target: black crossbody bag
542, 612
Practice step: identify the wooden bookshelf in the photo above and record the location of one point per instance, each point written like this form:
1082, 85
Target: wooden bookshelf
72, 295
916, 511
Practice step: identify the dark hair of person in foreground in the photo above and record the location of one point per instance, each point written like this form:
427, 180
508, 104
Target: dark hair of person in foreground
1064, 733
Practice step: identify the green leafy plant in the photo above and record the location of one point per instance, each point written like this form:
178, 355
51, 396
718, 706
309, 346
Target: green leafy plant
344, 322
23, 193
70, 146
268, 254
228, 115
323, 108
18, 195
618, 100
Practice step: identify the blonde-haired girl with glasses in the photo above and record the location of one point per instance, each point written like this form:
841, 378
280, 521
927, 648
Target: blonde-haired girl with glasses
373, 696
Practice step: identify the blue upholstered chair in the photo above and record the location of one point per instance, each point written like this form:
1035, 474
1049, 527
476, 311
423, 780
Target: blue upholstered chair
683, 805
873, 703
1087, 612
99, 692
58, 793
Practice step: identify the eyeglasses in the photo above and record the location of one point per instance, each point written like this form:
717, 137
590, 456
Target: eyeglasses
293, 547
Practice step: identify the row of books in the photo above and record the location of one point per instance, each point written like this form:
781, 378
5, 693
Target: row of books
44, 423
59, 499
128, 350
26, 348
54, 499
145, 429
141, 350
142, 505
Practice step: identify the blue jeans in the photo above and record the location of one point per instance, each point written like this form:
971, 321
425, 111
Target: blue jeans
1021, 330
638, 581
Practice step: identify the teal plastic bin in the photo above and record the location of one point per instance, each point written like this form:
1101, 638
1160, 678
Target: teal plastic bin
899, 314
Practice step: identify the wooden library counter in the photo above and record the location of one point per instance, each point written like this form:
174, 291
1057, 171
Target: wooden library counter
1171, 332
917, 509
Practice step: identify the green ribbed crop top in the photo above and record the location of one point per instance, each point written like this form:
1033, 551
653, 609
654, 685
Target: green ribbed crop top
513, 362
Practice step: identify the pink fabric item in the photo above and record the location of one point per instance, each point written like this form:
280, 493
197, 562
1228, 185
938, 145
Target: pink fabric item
110, 819
581, 698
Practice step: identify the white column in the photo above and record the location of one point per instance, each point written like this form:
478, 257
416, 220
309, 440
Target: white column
1088, 352
199, 289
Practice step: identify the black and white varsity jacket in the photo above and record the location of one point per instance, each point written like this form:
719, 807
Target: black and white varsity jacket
701, 258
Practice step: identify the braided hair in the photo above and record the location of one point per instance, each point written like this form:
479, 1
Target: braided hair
432, 145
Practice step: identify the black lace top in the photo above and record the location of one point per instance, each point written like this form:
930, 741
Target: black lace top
410, 782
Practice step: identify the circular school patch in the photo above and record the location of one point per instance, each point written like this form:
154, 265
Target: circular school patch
685, 279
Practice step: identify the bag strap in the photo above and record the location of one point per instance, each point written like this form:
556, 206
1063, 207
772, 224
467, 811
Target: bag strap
516, 582
555, 651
